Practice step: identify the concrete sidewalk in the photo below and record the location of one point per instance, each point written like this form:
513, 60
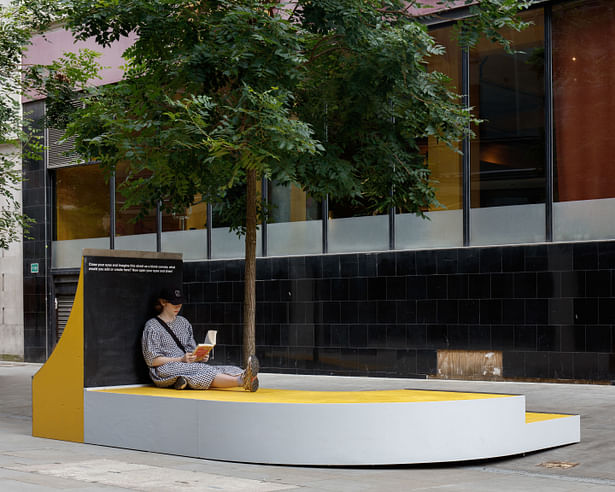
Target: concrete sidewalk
28, 463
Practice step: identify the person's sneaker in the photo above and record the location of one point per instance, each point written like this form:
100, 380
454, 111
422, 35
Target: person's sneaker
254, 386
250, 373
180, 383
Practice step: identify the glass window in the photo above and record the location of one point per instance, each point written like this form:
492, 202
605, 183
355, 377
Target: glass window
193, 218
125, 223
584, 104
294, 225
81, 203
140, 234
226, 243
81, 212
445, 224
186, 233
508, 153
353, 228
82, 220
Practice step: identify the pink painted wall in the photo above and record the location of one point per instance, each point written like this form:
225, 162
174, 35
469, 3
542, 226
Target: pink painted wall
45, 49
51, 46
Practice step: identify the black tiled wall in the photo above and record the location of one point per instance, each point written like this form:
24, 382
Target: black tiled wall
549, 308
37, 342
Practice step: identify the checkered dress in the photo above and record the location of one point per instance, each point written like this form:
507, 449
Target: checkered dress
156, 342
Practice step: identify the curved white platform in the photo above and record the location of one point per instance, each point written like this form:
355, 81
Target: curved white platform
322, 428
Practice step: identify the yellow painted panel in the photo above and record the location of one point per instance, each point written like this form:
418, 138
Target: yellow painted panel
266, 395
57, 388
531, 417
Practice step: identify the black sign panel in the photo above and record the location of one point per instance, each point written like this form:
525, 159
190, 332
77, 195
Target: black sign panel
119, 295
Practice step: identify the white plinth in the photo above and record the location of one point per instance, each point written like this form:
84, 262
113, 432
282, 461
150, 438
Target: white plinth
367, 428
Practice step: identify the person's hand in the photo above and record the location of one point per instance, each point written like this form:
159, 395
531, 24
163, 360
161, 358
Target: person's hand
188, 357
205, 359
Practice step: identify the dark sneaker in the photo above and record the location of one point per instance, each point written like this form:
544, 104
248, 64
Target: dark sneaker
250, 373
180, 383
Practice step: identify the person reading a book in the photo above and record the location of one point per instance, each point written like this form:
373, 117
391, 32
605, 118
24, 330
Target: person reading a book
169, 351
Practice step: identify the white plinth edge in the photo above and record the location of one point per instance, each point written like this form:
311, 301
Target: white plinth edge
371, 433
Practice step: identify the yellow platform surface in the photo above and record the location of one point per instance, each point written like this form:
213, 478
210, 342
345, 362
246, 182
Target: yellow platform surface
531, 417
267, 395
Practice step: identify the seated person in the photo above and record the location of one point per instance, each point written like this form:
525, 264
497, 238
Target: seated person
171, 361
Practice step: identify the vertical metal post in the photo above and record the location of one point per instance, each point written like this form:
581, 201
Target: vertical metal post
466, 167
209, 226
325, 202
158, 226
48, 277
265, 200
325, 224
392, 209
392, 227
112, 211
549, 140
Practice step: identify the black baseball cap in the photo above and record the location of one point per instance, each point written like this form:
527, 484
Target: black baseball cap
174, 296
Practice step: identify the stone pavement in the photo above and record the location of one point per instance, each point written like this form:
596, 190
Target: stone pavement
33, 464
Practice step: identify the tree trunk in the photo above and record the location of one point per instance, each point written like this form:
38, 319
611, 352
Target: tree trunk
249, 303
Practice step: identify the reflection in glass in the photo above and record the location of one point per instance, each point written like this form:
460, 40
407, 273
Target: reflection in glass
194, 217
294, 225
508, 153
291, 204
186, 233
507, 90
444, 226
125, 219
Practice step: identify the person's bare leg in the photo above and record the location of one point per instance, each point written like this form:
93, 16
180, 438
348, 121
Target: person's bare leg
225, 381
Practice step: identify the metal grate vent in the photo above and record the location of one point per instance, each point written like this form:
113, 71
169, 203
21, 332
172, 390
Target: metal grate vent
64, 306
59, 153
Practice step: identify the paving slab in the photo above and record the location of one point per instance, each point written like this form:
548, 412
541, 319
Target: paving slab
33, 464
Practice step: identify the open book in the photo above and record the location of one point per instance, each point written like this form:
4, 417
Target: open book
203, 349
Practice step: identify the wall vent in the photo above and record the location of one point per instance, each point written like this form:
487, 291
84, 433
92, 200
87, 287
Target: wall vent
59, 152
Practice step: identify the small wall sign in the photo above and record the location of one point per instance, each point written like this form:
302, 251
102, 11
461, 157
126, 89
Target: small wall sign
33, 267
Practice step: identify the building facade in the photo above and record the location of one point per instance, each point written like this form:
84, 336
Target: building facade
512, 277
11, 291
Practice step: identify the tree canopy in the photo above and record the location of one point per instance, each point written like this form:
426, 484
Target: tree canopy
333, 96
348, 81
14, 36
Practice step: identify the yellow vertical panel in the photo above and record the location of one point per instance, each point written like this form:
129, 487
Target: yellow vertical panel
57, 388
